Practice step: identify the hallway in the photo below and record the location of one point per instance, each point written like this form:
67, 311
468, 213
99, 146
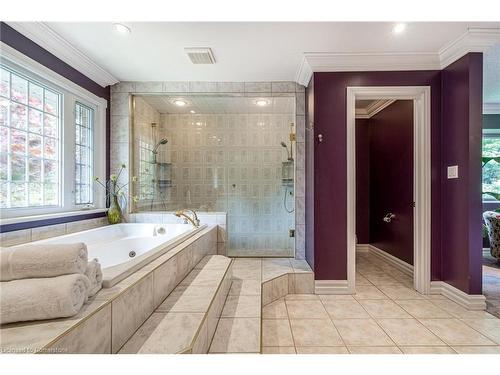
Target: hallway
384, 316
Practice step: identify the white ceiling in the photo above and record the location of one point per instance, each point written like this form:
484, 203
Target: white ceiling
221, 105
245, 51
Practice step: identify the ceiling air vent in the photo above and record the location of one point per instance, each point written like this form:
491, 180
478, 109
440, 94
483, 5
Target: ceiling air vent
200, 55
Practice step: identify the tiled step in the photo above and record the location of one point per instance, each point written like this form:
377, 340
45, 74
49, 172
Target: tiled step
187, 319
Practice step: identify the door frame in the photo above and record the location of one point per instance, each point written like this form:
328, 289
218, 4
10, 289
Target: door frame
421, 96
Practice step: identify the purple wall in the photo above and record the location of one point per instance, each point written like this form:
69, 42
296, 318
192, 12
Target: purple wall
461, 198
391, 179
363, 181
330, 195
29, 48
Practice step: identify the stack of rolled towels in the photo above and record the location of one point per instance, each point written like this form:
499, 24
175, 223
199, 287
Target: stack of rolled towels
46, 281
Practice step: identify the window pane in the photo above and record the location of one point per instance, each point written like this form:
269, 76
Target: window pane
35, 145
51, 103
50, 126
491, 171
4, 83
83, 154
19, 89
4, 111
35, 194
36, 96
17, 141
29, 142
4, 139
18, 116
35, 121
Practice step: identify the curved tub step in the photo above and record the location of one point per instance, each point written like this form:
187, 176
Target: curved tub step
186, 320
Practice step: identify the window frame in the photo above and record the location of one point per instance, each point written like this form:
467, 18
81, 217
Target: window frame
488, 133
71, 94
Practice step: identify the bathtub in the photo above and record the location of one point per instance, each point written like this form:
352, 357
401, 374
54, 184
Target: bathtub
124, 248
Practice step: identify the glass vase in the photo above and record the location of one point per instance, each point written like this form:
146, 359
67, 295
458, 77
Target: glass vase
114, 211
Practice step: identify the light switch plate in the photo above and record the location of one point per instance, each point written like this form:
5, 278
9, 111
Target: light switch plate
453, 171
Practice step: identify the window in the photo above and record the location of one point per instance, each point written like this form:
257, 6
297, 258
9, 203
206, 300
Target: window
491, 170
52, 142
83, 154
146, 171
30, 142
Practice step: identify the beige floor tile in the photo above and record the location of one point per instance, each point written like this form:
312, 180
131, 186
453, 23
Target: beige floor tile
374, 350
423, 309
383, 308
275, 310
345, 309
305, 309
242, 307
237, 335
383, 279
477, 349
455, 332
134, 344
315, 332
278, 350
460, 312
245, 288
488, 327
368, 292
409, 332
243, 273
400, 292
302, 297
427, 350
335, 297
361, 280
276, 332
322, 350
362, 332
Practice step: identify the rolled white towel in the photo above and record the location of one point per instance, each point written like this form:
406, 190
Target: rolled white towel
94, 274
44, 260
46, 298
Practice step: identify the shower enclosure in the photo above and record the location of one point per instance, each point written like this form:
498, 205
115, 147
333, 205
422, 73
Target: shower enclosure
217, 153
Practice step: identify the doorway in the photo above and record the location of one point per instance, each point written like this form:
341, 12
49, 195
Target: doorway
419, 210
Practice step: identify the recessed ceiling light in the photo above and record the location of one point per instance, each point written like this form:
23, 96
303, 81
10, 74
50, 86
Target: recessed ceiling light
262, 102
192, 111
180, 102
399, 28
121, 28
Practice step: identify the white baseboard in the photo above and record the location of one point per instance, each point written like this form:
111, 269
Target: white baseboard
331, 287
362, 247
392, 260
469, 301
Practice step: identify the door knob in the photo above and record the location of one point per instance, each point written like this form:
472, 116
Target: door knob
388, 217
320, 137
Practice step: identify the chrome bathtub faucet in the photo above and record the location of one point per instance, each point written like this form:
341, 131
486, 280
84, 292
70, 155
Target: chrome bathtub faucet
193, 220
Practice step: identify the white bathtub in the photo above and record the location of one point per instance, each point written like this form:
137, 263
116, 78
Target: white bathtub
124, 248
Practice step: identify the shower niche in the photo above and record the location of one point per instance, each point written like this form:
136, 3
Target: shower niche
221, 153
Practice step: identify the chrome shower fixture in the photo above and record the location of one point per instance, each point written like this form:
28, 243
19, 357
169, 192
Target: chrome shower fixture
162, 141
288, 152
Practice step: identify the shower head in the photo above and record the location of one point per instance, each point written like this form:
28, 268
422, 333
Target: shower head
283, 144
288, 154
162, 141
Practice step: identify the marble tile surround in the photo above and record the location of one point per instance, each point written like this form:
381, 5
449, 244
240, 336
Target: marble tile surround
114, 313
121, 120
35, 234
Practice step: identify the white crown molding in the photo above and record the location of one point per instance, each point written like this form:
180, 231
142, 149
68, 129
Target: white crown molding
491, 108
304, 73
473, 40
374, 108
45, 37
469, 301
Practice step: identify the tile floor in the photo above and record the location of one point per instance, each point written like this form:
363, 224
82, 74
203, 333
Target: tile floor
384, 316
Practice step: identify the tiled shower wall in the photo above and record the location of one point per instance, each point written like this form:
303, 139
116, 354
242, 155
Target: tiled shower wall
121, 125
233, 163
